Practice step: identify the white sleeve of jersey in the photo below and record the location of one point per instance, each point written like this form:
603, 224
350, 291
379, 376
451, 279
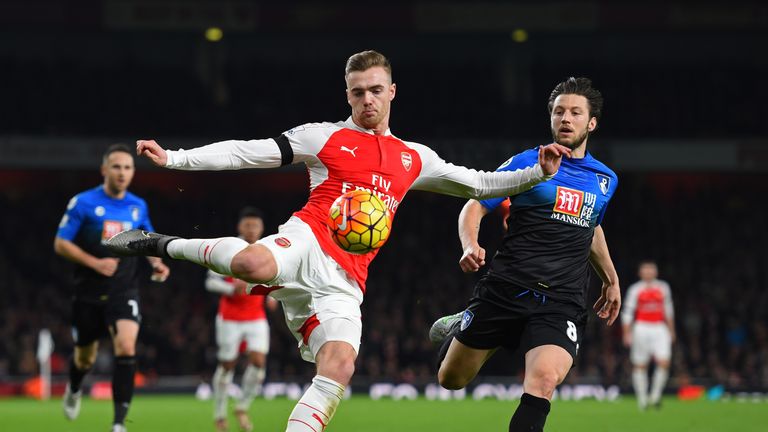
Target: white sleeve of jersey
445, 178
669, 309
215, 283
629, 304
308, 139
227, 155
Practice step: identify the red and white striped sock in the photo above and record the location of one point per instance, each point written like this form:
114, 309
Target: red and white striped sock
216, 254
315, 409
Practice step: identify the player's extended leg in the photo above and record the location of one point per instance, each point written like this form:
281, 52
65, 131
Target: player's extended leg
461, 365
81, 363
222, 378
226, 255
545, 367
335, 367
253, 378
124, 337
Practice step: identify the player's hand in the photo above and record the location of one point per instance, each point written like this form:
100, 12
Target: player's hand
152, 151
160, 272
608, 305
472, 259
627, 339
550, 157
106, 266
241, 287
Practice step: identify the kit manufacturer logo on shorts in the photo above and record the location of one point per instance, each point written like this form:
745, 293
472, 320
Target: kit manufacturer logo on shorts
466, 319
283, 242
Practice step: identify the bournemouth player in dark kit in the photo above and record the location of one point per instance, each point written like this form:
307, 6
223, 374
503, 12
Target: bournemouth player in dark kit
106, 297
533, 296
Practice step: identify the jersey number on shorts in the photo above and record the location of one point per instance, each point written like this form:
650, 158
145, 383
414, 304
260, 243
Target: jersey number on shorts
571, 332
135, 308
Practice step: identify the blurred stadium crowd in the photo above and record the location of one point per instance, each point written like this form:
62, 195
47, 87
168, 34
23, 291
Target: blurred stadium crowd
718, 288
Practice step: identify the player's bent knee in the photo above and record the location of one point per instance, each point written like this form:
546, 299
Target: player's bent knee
254, 264
451, 380
543, 383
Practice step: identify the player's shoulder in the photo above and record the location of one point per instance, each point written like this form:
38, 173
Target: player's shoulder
524, 158
133, 199
86, 198
602, 168
318, 127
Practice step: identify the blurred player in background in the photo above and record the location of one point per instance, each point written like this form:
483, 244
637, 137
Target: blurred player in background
533, 296
241, 318
106, 298
320, 285
648, 325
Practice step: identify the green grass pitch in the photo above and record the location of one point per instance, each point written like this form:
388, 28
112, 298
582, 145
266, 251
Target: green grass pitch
360, 414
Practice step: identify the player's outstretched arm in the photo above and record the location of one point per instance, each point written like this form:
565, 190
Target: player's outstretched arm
469, 228
608, 305
151, 150
550, 157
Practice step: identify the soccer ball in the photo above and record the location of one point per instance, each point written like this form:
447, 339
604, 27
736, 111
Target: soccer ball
359, 222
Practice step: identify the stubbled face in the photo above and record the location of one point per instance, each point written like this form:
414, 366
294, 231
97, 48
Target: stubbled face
250, 228
370, 95
570, 120
648, 272
118, 172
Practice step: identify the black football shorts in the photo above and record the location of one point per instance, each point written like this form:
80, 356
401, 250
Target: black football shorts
92, 321
502, 315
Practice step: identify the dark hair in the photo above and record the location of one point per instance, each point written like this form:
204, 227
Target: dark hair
365, 60
582, 87
249, 211
114, 148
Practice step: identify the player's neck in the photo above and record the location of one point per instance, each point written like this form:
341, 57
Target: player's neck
580, 152
116, 194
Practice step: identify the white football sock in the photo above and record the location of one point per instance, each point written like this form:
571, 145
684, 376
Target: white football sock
316, 407
253, 378
640, 382
660, 376
216, 254
221, 380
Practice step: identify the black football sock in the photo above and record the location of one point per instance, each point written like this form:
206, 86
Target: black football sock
530, 415
122, 386
76, 376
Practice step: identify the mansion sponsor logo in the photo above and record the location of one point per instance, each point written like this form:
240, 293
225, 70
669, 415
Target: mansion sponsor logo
574, 206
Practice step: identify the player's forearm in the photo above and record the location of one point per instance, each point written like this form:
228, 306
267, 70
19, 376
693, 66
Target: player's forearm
227, 155
469, 223
219, 286
464, 182
73, 252
600, 258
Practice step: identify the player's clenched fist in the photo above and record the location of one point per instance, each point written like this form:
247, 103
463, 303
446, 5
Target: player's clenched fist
152, 151
472, 259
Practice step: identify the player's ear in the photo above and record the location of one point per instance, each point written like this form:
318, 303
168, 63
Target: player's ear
392, 91
592, 125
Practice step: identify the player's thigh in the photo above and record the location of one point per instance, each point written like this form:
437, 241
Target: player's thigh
256, 335
228, 337
88, 324
662, 345
85, 355
556, 323
641, 351
291, 249
546, 366
122, 318
464, 362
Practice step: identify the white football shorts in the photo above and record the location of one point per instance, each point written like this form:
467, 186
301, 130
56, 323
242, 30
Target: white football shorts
229, 335
320, 301
650, 340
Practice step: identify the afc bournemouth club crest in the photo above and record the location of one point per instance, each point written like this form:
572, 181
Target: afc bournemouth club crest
283, 242
604, 182
405, 158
